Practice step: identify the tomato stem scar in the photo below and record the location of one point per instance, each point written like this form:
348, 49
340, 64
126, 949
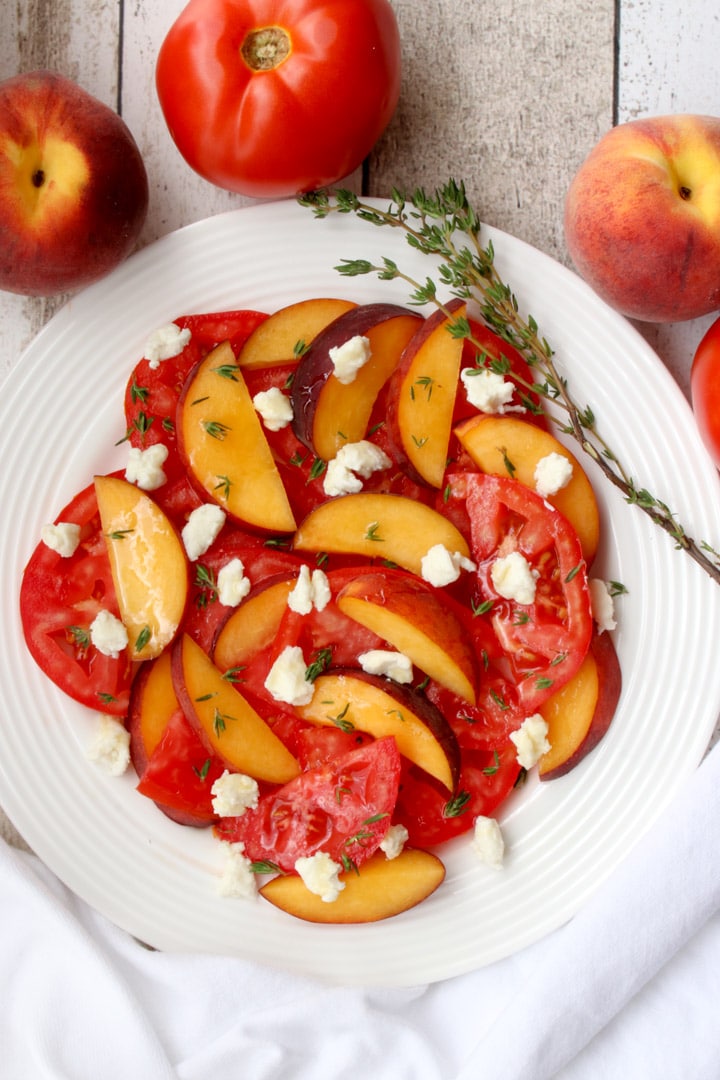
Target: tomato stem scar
266, 48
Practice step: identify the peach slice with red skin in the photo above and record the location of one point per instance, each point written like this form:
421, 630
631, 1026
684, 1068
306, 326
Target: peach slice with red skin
329, 413
380, 889
580, 713
425, 387
223, 445
414, 618
227, 724
507, 445
148, 564
389, 527
277, 340
253, 625
350, 698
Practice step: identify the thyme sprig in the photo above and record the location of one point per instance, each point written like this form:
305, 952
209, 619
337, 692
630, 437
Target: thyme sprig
445, 226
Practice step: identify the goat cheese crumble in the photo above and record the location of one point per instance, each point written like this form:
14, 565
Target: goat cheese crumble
233, 794
394, 841
488, 391
110, 749
602, 605
287, 679
487, 842
232, 583
237, 879
63, 538
164, 343
513, 578
201, 529
531, 740
310, 591
352, 464
441, 567
274, 408
108, 634
393, 665
145, 467
348, 358
320, 875
552, 473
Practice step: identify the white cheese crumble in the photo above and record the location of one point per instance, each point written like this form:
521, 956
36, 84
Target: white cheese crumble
145, 467
287, 681
394, 841
62, 538
201, 529
164, 343
348, 358
488, 391
531, 740
487, 842
320, 875
233, 794
602, 605
309, 591
352, 464
108, 634
274, 407
110, 748
441, 567
232, 584
237, 879
513, 578
552, 473
387, 662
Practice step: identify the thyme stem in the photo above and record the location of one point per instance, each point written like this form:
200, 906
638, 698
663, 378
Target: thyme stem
444, 225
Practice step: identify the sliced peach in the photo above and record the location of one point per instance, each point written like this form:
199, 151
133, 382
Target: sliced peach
355, 700
389, 527
222, 442
409, 614
425, 389
380, 889
224, 720
148, 563
579, 714
507, 445
253, 625
329, 413
279, 339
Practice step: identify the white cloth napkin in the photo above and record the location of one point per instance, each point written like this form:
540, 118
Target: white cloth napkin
628, 989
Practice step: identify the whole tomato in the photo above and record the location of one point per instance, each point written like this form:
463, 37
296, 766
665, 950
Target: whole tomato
270, 98
705, 389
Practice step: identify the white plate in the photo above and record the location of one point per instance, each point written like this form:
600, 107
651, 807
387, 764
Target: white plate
60, 414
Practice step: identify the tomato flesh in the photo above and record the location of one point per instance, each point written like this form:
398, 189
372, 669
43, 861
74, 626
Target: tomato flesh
343, 807
60, 598
705, 389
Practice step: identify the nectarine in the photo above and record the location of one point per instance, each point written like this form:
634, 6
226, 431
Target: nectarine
73, 186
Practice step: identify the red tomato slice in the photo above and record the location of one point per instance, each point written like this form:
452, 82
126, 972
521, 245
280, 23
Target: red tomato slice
59, 599
342, 807
431, 818
180, 773
152, 394
546, 640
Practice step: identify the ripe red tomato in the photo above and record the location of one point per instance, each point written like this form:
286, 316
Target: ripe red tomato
705, 389
343, 806
59, 599
273, 97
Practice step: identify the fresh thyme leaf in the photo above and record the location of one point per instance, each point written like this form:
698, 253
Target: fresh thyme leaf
143, 638
215, 429
444, 225
457, 805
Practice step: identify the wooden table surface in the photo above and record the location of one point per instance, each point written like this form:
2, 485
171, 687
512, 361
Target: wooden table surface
508, 96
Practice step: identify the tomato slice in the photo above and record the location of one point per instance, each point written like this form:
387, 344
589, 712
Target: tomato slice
152, 395
486, 778
180, 773
545, 641
59, 599
342, 807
